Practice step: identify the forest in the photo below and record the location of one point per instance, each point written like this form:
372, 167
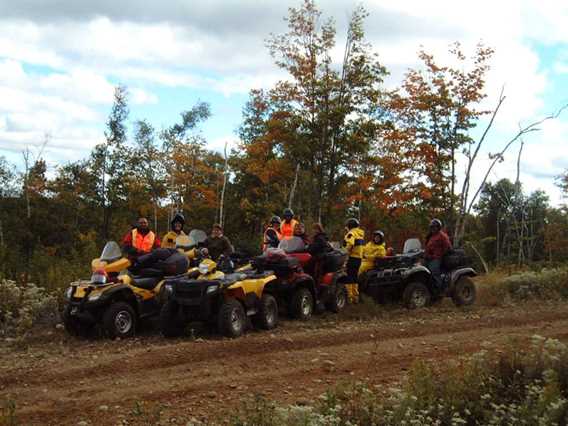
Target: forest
331, 141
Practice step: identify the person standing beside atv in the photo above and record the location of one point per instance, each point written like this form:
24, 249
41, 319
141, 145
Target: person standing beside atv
372, 250
319, 244
272, 234
353, 242
141, 239
169, 240
437, 245
217, 244
288, 225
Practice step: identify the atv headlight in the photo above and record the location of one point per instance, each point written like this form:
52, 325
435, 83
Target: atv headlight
69, 293
95, 296
212, 288
203, 268
99, 278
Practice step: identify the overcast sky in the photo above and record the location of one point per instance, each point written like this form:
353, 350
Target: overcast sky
59, 61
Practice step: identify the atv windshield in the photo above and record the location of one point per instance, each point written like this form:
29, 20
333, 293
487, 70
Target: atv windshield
197, 236
292, 245
412, 245
111, 252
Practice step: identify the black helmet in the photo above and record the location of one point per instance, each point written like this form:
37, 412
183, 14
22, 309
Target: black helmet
288, 213
275, 219
352, 223
381, 234
436, 223
178, 218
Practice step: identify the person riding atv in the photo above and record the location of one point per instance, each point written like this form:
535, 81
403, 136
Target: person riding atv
403, 277
120, 292
177, 223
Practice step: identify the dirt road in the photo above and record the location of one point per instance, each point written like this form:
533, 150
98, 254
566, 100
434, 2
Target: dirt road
60, 380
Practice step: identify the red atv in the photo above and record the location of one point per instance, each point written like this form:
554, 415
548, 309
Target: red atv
304, 282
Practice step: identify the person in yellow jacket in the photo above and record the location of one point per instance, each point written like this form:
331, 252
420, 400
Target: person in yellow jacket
353, 241
169, 240
372, 250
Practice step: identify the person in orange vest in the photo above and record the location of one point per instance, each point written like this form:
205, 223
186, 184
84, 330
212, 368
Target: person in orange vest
140, 239
272, 234
288, 225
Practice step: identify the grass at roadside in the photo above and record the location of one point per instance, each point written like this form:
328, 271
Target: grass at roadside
514, 386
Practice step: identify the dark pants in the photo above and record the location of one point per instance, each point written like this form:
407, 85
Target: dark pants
353, 264
434, 266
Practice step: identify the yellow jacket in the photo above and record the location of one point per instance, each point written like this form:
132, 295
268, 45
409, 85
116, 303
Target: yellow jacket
371, 251
354, 240
169, 240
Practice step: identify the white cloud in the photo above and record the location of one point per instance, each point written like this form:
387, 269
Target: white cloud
219, 46
218, 144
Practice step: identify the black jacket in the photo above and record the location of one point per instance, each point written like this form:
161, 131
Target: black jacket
319, 245
218, 246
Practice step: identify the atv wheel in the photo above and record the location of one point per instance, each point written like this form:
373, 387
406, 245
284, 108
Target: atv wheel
302, 304
170, 325
338, 299
73, 326
464, 292
267, 316
232, 318
416, 295
119, 320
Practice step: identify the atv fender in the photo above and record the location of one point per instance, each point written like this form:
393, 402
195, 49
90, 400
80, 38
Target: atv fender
418, 273
458, 273
121, 292
307, 282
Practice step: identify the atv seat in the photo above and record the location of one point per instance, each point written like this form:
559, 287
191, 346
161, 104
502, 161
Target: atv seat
233, 278
147, 283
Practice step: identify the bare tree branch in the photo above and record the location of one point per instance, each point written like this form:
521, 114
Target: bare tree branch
497, 157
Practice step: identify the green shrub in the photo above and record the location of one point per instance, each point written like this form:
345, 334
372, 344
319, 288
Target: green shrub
23, 306
500, 388
544, 284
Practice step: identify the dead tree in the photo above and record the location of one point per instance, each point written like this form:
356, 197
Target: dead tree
465, 202
225, 173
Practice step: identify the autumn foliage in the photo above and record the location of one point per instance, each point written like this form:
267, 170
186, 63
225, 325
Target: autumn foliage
354, 147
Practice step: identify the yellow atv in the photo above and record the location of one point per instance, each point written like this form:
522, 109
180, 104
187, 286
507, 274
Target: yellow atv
225, 299
120, 293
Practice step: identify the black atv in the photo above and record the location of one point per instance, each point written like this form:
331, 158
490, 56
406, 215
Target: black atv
219, 296
403, 277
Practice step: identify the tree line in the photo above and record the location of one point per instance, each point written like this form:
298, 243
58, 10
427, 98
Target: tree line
330, 141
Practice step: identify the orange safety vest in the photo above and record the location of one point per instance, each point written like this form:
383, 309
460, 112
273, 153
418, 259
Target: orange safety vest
287, 229
141, 242
265, 241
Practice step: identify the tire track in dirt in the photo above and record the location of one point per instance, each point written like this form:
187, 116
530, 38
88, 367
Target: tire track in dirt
198, 378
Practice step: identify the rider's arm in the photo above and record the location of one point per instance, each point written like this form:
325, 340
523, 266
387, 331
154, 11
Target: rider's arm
157, 243
349, 241
127, 243
228, 247
446, 244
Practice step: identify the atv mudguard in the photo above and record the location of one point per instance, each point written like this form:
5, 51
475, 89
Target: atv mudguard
456, 274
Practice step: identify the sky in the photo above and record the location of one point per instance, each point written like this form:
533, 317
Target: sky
60, 60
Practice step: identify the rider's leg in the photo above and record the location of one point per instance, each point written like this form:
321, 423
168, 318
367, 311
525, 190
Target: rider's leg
353, 264
434, 266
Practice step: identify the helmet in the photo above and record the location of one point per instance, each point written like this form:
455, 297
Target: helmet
352, 223
178, 218
380, 234
436, 223
288, 214
275, 219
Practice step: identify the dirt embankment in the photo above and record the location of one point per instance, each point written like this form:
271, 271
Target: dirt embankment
65, 381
